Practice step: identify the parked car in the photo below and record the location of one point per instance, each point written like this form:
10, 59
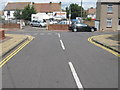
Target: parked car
81, 27
64, 22
53, 22
38, 23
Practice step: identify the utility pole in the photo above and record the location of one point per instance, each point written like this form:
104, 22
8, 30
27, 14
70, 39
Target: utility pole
69, 13
81, 9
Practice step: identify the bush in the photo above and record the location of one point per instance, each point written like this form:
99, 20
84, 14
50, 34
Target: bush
88, 19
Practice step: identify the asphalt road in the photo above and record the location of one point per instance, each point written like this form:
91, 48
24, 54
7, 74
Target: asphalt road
60, 60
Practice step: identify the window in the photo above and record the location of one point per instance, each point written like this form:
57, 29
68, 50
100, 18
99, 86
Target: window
109, 22
8, 13
110, 8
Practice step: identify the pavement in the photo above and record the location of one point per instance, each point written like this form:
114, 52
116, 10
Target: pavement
61, 60
108, 40
10, 42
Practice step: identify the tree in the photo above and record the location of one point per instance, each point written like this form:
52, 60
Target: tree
67, 11
27, 12
17, 14
75, 10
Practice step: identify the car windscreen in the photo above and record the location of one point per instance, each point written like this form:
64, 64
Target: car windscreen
81, 24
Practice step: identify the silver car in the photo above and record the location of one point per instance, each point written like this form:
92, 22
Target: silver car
38, 24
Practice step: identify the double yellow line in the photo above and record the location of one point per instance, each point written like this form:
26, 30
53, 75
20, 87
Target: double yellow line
105, 48
4, 61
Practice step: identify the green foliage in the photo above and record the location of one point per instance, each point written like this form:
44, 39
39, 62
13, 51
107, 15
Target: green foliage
88, 19
0, 18
17, 14
27, 12
60, 2
75, 10
67, 10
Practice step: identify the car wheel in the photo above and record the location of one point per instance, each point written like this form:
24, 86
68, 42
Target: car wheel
92, 30
40, 25
75, 30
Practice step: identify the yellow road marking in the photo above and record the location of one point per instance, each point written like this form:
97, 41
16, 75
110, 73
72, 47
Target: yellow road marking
4, 61
105, 48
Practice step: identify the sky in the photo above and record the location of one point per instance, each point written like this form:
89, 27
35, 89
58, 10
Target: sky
86, 3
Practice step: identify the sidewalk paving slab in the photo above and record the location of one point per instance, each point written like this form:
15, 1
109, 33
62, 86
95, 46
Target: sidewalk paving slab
10, 42
108, 40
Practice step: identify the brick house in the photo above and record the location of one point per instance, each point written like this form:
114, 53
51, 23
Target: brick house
108, 15
91, 13
10, 8
39, 7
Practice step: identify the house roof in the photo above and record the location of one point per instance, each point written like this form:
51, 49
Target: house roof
109, 0
39, 7
16, 5
91, 11
47, 7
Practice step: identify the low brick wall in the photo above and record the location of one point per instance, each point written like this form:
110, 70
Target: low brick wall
2, 34
58, 27
10, 26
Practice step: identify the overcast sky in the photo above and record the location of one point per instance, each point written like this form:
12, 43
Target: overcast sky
86, 3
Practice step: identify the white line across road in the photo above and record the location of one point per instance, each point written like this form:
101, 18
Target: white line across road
77, 80
42, 34
62, 45
49, 33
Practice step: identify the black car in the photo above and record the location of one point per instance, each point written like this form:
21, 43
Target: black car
81, 27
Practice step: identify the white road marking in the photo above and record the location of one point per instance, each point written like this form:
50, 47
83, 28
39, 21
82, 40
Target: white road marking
49, 33
42, 34
62, 45
77, 80
59, 35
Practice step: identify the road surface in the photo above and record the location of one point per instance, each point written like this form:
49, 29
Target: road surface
60, 60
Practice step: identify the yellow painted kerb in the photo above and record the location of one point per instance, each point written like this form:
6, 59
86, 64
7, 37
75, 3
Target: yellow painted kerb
4, 61
105, 48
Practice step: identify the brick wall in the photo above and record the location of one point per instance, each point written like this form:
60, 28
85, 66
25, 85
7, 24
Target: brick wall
10, 26
2, 34
58, 27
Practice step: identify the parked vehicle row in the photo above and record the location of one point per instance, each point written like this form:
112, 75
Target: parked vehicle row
74, 26
81, 27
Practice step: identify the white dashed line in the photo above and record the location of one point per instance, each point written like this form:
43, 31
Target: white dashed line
77, 80
59, 35
62, 45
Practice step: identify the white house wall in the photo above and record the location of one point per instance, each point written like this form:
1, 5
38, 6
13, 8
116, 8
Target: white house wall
91, 16
9, 17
